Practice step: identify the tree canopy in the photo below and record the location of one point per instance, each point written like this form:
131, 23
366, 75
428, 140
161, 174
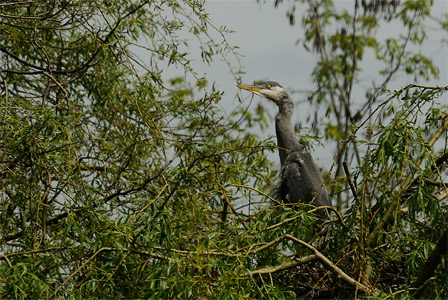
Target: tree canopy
119, 183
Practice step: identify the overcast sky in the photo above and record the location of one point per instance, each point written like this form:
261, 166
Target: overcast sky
268, 45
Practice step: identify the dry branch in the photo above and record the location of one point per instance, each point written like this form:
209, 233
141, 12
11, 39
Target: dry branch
285, 266
335, 269
316, 255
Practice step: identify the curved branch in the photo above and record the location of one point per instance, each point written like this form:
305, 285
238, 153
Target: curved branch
335, 269
316, 255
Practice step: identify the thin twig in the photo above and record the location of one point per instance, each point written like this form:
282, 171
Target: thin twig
338, 214
349, 179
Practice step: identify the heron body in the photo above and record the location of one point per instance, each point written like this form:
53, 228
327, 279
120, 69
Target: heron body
298, 180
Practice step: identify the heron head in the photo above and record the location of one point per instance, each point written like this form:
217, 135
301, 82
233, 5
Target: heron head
271, 90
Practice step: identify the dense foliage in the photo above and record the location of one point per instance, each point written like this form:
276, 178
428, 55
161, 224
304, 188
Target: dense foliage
118, 183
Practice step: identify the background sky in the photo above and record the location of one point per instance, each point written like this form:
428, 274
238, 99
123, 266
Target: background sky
269, 49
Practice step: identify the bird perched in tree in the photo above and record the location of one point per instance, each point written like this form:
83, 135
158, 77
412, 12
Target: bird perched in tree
298, 180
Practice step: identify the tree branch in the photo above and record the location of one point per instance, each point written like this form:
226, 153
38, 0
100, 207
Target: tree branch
285, 266
335, 269
431, 264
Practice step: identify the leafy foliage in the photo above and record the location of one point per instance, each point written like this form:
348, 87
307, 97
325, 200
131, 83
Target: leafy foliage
117, 183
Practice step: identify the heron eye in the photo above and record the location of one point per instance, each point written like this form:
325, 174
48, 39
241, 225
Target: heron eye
269, 86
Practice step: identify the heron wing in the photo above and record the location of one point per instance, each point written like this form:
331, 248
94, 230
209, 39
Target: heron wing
303, 180
314, 180
293, 191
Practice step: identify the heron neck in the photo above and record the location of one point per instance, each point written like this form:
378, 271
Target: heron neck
286, 139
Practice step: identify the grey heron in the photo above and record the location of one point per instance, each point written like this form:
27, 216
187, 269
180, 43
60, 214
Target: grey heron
298, 180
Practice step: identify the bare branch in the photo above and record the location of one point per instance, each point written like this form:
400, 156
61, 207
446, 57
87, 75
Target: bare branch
285, 266
335, 269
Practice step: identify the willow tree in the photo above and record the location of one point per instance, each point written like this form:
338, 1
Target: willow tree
120, 183
106, 166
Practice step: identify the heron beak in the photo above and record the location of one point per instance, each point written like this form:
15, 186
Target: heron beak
250, 88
